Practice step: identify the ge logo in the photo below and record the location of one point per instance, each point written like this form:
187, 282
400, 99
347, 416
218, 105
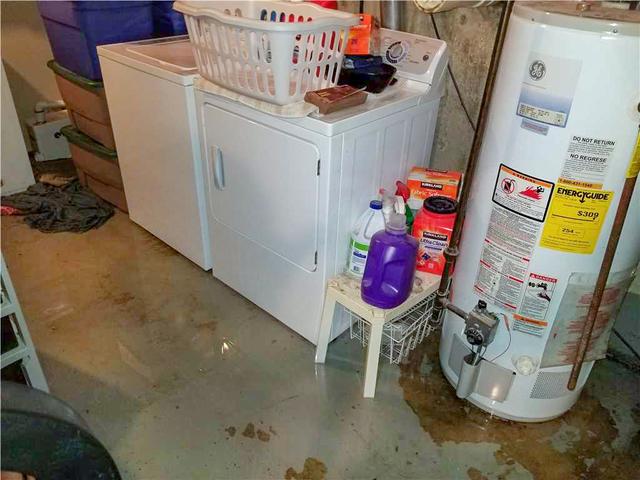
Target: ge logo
537, 70
508, 185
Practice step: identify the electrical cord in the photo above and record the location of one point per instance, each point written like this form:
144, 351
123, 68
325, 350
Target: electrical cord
478, 352
453, 78
506, 322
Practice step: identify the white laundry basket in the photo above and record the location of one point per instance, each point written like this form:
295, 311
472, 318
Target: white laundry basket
274, 51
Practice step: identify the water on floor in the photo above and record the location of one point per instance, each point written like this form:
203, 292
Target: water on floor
181, 377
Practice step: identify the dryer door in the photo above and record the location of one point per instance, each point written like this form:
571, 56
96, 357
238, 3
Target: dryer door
263, 187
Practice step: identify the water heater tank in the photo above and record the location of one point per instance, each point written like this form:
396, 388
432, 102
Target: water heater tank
562, 130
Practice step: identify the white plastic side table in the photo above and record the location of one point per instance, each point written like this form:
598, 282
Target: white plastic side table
346, 291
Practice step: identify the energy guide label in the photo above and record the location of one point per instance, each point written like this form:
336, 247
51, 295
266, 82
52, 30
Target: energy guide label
634, 163
575, 219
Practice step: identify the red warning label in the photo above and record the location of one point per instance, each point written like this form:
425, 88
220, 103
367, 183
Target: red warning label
522, 194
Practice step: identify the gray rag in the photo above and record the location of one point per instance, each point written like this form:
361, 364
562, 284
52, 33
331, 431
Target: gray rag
70, 208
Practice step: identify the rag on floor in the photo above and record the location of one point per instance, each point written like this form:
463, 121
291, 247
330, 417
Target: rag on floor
68, 208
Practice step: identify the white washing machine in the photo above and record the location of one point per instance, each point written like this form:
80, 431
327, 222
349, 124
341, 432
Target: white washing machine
284, 193
150, 93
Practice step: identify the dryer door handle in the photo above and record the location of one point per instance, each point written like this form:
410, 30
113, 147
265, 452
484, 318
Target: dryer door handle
218, 167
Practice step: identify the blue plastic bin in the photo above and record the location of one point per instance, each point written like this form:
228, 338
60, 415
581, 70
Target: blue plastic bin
167, 22
76, 28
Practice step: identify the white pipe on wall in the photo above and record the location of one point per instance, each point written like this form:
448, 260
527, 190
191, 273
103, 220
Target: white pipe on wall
44, 106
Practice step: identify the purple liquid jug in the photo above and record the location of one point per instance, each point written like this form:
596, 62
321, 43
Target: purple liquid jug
391, 265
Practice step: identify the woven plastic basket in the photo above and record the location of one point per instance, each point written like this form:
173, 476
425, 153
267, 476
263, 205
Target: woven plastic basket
274, 51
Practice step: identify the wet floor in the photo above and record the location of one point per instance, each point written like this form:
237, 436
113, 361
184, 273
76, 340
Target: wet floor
180, 377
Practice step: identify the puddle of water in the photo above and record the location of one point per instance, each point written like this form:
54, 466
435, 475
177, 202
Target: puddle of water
584, 434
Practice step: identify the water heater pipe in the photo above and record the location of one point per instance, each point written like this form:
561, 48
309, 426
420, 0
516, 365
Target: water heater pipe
603, 274
392, 14
451, 252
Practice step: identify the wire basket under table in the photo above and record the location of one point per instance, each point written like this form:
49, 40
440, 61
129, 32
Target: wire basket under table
399, 336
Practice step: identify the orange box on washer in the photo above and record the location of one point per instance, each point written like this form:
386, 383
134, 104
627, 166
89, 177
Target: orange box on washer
424, 183
364, 38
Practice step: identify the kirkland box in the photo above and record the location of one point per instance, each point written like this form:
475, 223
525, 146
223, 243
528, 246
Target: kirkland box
97, 167
424, 183
75, 28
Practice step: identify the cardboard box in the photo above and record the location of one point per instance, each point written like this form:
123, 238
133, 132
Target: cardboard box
332, 99
364, 38
424, 183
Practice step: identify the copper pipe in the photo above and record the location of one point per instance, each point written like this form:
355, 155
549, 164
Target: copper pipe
601, 282
451, 252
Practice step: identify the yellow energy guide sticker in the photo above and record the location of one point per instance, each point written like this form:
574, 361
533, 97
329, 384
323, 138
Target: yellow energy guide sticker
634, 164
575, 219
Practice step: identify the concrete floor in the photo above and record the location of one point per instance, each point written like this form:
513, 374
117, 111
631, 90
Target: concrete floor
180, 377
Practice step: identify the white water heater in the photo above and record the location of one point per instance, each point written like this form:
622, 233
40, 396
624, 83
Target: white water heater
562, 128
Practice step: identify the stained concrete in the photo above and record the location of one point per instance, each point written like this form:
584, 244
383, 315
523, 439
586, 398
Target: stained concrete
180, 377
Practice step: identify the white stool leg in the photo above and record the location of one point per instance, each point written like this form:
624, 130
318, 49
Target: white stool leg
373, 356
35, 375
325, 326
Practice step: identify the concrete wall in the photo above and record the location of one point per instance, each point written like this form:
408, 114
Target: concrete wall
25, 52
469, 33
15, 168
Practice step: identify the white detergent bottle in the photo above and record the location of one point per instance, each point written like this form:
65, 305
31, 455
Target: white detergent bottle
369, 223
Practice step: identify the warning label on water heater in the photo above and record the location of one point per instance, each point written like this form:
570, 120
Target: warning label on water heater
533, 309
522, 194
501, 275
586, 161
520, 206
575, 219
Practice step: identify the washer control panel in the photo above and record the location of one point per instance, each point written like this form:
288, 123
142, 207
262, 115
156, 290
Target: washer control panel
416, 57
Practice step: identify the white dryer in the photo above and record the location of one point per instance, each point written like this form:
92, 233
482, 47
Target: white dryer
150, 93
283, 194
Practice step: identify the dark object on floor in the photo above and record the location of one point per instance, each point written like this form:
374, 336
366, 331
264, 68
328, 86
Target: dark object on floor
42, 436
70, 208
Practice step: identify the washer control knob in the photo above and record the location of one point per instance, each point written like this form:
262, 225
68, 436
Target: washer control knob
396, 52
